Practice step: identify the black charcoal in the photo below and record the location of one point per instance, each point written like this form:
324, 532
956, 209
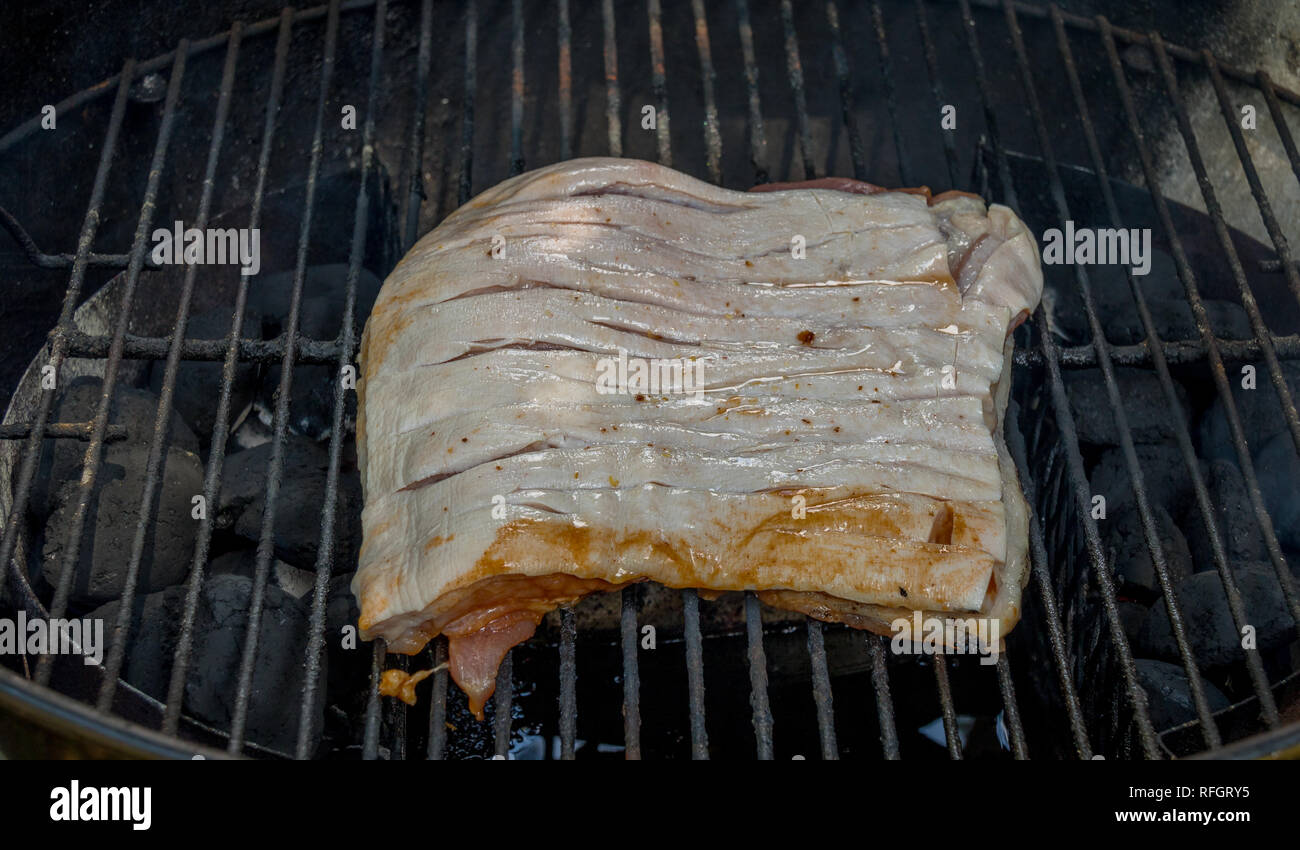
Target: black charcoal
298, 509
1238, 528
151, 639
243, 562
1132, 615
325, 283
311, 395
1169, 696
220, 629
311, 400
1210, 630
1168, 481
132, 408
1278, 471
1259, 408
1173, 321
278, 672
349, 656
1150, 417
198, 383
111, 522
1134, 569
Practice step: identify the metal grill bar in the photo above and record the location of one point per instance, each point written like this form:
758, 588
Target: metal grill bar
517, 88
628, 595
162, 418
81, 344
212, 474
757, 137
370, 741
951, 732
1176, 352
467, 107
503, 705
821, 684
891, 95
266, 542
1038, 552
842, 75
1265, 83
1065, 419
613, 116
695, 673
879, 667
568, 700
325, 549
1015, 729
1082, 279
63, 431
396, 713
712, 135
884, 702
690, 597
1252, 176
423, 63
568, 683
756, 656
319, 351
1043, 580
314, 351
1225, 240
794, 71
438, 710
40, 259
758, 701
936, 87
438, 707
94, 448
631, 673
505, 689
563, 38
659, 83
627, 599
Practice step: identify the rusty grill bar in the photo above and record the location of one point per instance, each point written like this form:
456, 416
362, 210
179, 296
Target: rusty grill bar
291, 348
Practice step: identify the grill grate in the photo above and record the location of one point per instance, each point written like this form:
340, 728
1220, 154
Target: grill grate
290, 349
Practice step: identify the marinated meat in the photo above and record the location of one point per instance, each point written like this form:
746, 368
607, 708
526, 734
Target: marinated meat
810, 385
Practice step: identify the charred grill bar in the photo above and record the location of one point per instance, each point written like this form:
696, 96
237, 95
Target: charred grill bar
385, 722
